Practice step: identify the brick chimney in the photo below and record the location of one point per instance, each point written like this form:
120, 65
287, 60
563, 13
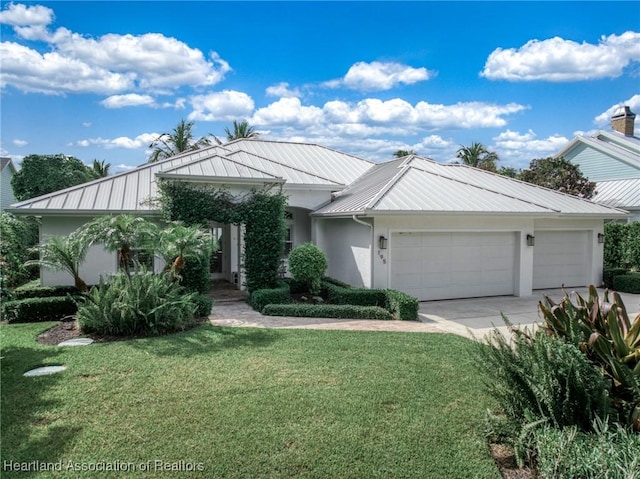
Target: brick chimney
623, 121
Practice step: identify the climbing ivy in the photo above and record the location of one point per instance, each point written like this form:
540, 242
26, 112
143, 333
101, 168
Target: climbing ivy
261, 212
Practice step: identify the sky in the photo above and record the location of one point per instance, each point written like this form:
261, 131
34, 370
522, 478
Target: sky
101, 80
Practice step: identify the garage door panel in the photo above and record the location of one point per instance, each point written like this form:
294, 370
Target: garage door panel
560, 258
453, 265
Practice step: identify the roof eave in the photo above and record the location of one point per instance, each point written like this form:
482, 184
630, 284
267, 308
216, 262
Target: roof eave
58, 212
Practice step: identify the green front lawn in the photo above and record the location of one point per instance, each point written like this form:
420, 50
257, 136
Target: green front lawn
248, 403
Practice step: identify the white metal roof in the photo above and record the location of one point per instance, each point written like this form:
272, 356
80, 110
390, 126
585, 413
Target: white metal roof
619, 193
247, 160
611, 143
419, 185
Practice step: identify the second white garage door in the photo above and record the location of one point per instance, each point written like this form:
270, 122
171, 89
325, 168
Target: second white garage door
453, 265
560, 257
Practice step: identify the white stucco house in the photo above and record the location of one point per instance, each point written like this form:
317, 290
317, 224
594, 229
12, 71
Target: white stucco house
7, 170
612, 160
433, 230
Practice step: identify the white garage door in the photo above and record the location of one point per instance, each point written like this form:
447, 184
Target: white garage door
453, 265
560, 257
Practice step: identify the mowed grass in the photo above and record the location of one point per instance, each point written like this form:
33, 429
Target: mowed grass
247, 403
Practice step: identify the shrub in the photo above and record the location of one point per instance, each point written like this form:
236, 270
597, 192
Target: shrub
607, 453
17, 236
627, 283
614, 239
203, 305
337, 282
610, 273
195, 275
30, 310
327, 311
261, 297
402, 305
138, 304
45, 292
296, 286
356, 296
631, 247
307, 264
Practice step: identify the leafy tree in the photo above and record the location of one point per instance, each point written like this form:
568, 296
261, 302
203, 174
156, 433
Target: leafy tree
42, 174
99, 169
559, 174
241, 129
178, 241
181, 139
478, 156
17, 236
509, 171
403, 153
119, 234
63, 254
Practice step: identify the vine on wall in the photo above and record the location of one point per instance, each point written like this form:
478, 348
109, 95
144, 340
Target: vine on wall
261, 211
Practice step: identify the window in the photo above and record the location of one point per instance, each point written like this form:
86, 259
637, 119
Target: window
288, 241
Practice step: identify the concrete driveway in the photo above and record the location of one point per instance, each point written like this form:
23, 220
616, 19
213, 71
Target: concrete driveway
475, 317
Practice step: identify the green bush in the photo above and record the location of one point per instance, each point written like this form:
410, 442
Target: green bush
297, 287
195, 275
261, 297
17, 236
45, 292
614, 239
402, 305
31, 310
355, 296
337, 282
610, 273
607, 453
627, 283
140, 304
307, 264
327, 311
632, 246
203, 305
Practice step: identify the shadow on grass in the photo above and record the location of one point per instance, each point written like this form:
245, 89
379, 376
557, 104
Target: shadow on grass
29, 432
206, 339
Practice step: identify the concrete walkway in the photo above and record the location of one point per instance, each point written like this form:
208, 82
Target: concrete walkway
473, 317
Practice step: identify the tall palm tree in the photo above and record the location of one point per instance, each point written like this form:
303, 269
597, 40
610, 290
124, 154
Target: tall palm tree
478, 156
241, 129
403, 153
120, 234
99, 169
63, 254
179, 241
178, 141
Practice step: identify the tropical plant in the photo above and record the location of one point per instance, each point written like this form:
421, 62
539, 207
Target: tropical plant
63, 254
100, 169
181, 139
603, 331
120, 234
403, 153
559, 174
307, 264
509, 171
241, 129
478, 156
177, 241
140, 304
17, 236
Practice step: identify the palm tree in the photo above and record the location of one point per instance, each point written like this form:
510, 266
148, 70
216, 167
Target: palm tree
99, 169
178, 241
120, 234
241, 129
179, 141
478, 156
63, 254
403, 153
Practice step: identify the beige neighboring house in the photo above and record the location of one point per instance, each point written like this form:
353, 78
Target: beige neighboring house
612, 160
7, 170
434, 230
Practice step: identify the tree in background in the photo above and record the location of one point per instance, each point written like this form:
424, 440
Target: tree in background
478, 156
403, 153
99, 169
559, 174
241, 129
509, 171
181, 139
42, 174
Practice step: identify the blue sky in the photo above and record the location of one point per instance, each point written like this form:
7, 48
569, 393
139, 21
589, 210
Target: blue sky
101, 80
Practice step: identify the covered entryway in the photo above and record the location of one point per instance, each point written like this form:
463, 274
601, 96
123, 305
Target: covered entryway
560, 258
447, 265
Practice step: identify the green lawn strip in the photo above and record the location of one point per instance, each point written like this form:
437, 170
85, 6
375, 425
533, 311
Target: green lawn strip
250, 403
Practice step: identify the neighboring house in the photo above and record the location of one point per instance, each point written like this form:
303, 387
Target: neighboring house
612, 160
7, 170
435, 231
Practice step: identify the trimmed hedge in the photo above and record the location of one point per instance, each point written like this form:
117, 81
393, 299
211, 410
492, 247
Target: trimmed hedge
627, 283
32, 310
45, 292
341, 311
609, 274
402, 305
261, 297
203, 305
355, 296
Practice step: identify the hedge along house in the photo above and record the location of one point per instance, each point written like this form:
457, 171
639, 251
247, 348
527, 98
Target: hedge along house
434, 231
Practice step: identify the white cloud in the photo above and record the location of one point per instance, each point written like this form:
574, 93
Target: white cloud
377, 76
603, 120
130, 99
226, 105
282, 90
20, 143
140, 141
86, 124
109, 64
287, 111
518, 149
557, 59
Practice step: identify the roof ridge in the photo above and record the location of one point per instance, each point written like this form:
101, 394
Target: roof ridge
224, 158
403, 167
